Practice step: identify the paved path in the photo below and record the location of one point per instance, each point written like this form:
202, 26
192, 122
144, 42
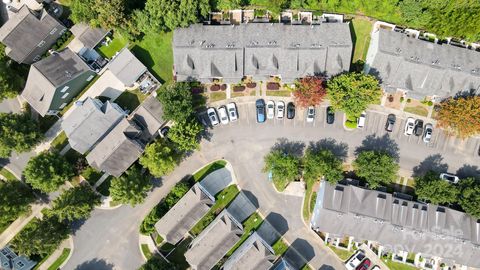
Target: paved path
19, 223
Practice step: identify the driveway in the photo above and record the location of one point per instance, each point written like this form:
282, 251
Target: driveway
109, 239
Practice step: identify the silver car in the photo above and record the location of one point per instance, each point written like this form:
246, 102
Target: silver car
310, 114
212, 115
427, 136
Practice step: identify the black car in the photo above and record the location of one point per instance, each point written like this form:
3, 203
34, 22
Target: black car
260, 105
330, 115
390, 122
418, 129
290, 110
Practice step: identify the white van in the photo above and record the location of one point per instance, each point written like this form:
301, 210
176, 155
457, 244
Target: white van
361, 120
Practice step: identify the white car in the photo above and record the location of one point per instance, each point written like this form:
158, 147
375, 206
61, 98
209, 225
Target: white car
280, 109
450, 178
232, 112
270, 109
361, 120
310, 114
212, 115
222, 113
355, 260
427, 136
409, 126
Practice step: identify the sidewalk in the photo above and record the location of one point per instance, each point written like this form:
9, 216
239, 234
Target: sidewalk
18, 224
68, 243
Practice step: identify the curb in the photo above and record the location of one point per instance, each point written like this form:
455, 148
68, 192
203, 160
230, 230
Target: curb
105, 207
72, 247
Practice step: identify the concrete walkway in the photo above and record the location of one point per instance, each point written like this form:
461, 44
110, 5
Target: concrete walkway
68, 243
21, 222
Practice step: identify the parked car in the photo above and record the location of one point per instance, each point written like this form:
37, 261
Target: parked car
280, 109
270, 109
222, 114
364, 265
330, 115
409, 125
361, 120
232, 112
450, 178
391, 119
355, 260
290, 110
164, 132
260, 106
310, 114
212, 115
427, 136
376, 267
418, 129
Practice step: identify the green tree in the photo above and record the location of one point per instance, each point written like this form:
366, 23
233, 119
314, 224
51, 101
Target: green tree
283, 166
177, 101
322, 163
469, 198
75, 203
11, 81
108, 14
48, 171
414, 13
159, 158
376, 167
435, 190
353, 92
185, 134
130, 188
15, 198
157, 263
40, 237
18, 132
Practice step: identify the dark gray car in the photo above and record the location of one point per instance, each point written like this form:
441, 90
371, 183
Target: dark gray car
390, 122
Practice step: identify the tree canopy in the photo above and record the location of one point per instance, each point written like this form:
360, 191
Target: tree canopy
185, 134
435, 190
461, 116
130, 188
108, 14
48, 171
469, 198
376, 168
75, 203
177, 101
159, 158
353, 92
309, 91
322, 163
157, 263
15, 198
18, 132
283, 166
11, 80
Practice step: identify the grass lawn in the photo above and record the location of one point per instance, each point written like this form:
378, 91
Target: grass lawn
146, 251
418, 110
252, 223
177, 256
217, 96
223, 199
60, 141
253, 93
361, 37
280, 247
216, 165
7, 174
234, 95
313, 199
56, 264
279, 93
91, 175
129, 100
158, 240
117, 43
341, 253
398, 266
306, 201
155, 52
104, 188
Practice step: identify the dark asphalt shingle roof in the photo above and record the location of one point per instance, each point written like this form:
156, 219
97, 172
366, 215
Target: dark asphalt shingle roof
241, 207
216, 181
254, 253
88, 36
126, 67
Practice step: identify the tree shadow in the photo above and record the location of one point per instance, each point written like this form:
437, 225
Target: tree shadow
253, 199
339, 149
289, 147
380, 144
157, 182
326, 267
146, 58
468, 170
431, 163
95, 264
76, 225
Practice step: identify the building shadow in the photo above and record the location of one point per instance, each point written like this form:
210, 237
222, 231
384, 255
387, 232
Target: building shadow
431, 163
253, 199
278, 222
95, 264
339, 149
289, 147
380, 144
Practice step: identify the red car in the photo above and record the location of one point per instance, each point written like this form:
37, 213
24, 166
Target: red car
364, 265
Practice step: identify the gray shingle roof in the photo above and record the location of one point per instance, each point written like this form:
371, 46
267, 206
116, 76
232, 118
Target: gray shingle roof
216, 182
88, 36
118, 150
89, 122
424, 68
373, 215
11, 261
184, 215
126, 67
149, 115
254, 253
213, 243
23, 32
46, 75
241, 207
260, 50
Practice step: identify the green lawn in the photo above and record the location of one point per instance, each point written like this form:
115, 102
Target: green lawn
341, 253
60, 141
216, 165
398, 266
252, 223
146, 251
217, 96
418, 110
91, 175
313, 199
280, 247
7, 174
155, 52
117, 43
222, 200
361, 36
104, 188
129, 100
279, 93
56, 264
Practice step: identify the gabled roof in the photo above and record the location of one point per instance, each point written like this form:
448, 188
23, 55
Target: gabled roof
149, 115
11, 261
394, 222
216, 181
181, 218
89, 122
46, 75
254, 253
126, 67
23, 31
118, 150
88, 36
241, 207
424, 68
214, 242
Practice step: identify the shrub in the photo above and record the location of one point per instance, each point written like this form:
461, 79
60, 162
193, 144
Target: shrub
402, 99
409, 100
